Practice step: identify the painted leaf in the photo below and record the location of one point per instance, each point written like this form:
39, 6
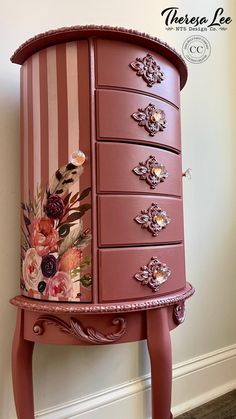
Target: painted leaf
67, 198
64, 230
71, 238
74, 198
86, 280
75, 216
84, 193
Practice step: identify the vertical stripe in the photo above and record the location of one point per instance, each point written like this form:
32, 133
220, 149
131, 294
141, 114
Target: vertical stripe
72, 97
24, 141
44, 116
62, 105
22, 166
36, 122
52, 111
73, 116
85, 145
30, 129
22, 171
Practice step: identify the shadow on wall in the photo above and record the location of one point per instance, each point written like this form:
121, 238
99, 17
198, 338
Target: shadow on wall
9, 244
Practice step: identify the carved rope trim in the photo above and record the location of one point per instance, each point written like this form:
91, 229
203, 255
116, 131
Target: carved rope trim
75, 328
26, 303
99, 28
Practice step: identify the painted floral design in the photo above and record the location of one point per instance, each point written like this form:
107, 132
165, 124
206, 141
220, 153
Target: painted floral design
31, 269
54, 240
59, 285
43, 236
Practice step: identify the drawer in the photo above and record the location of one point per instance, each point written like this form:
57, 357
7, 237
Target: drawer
115, 120
132, 168
122, 220
114, 69
118, 267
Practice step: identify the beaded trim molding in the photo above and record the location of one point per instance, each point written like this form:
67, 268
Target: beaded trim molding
50, 307
98, 28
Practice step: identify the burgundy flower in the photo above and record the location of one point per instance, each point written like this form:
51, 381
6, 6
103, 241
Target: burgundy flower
54, 207
49, 266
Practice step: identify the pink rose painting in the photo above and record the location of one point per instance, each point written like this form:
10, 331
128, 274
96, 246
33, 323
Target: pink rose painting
59, 285
54, 240
31, 271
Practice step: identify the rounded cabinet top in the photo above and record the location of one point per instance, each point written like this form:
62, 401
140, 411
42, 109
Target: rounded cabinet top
73, 33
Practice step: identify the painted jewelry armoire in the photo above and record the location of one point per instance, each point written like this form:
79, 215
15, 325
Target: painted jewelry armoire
102, 249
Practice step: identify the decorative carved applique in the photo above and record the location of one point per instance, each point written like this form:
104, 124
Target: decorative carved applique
75, 328
151, 171
154, 274
151, 118
148, 69
179, 313
153, 219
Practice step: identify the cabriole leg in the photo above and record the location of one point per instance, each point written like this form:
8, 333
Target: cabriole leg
159, 346
22, 351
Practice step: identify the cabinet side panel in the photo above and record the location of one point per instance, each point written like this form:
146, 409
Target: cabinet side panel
56, 192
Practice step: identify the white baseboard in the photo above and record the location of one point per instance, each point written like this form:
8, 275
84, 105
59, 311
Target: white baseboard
195, 382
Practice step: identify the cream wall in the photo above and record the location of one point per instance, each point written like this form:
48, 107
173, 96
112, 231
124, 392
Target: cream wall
208, 128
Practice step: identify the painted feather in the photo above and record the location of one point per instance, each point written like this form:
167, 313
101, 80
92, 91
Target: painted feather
64, 178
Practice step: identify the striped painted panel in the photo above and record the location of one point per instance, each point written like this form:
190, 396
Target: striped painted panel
56, 180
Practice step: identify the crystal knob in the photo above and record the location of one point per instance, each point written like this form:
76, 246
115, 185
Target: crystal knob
188, 174
151, 171
78, 158
154, 274
153, 219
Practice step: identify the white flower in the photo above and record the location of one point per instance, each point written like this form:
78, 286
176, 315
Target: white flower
31, 270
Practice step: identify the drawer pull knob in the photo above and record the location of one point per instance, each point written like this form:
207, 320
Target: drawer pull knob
153, 219
151, 171
154, 274
188, 174
148, 69
78, 158
151, 118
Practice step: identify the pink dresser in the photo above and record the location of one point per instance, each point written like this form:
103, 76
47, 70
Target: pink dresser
102, 249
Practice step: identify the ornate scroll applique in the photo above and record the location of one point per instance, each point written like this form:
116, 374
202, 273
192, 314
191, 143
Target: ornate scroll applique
148, 69
154, 274
151, 171
151, 118
153, 219
179, 313
75, 328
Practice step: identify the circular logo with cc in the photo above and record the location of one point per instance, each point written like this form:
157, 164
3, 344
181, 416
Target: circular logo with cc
196, 49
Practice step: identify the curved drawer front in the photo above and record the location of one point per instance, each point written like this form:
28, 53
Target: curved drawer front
120, 268
117, 66
135, 220
127, 116
128, 168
